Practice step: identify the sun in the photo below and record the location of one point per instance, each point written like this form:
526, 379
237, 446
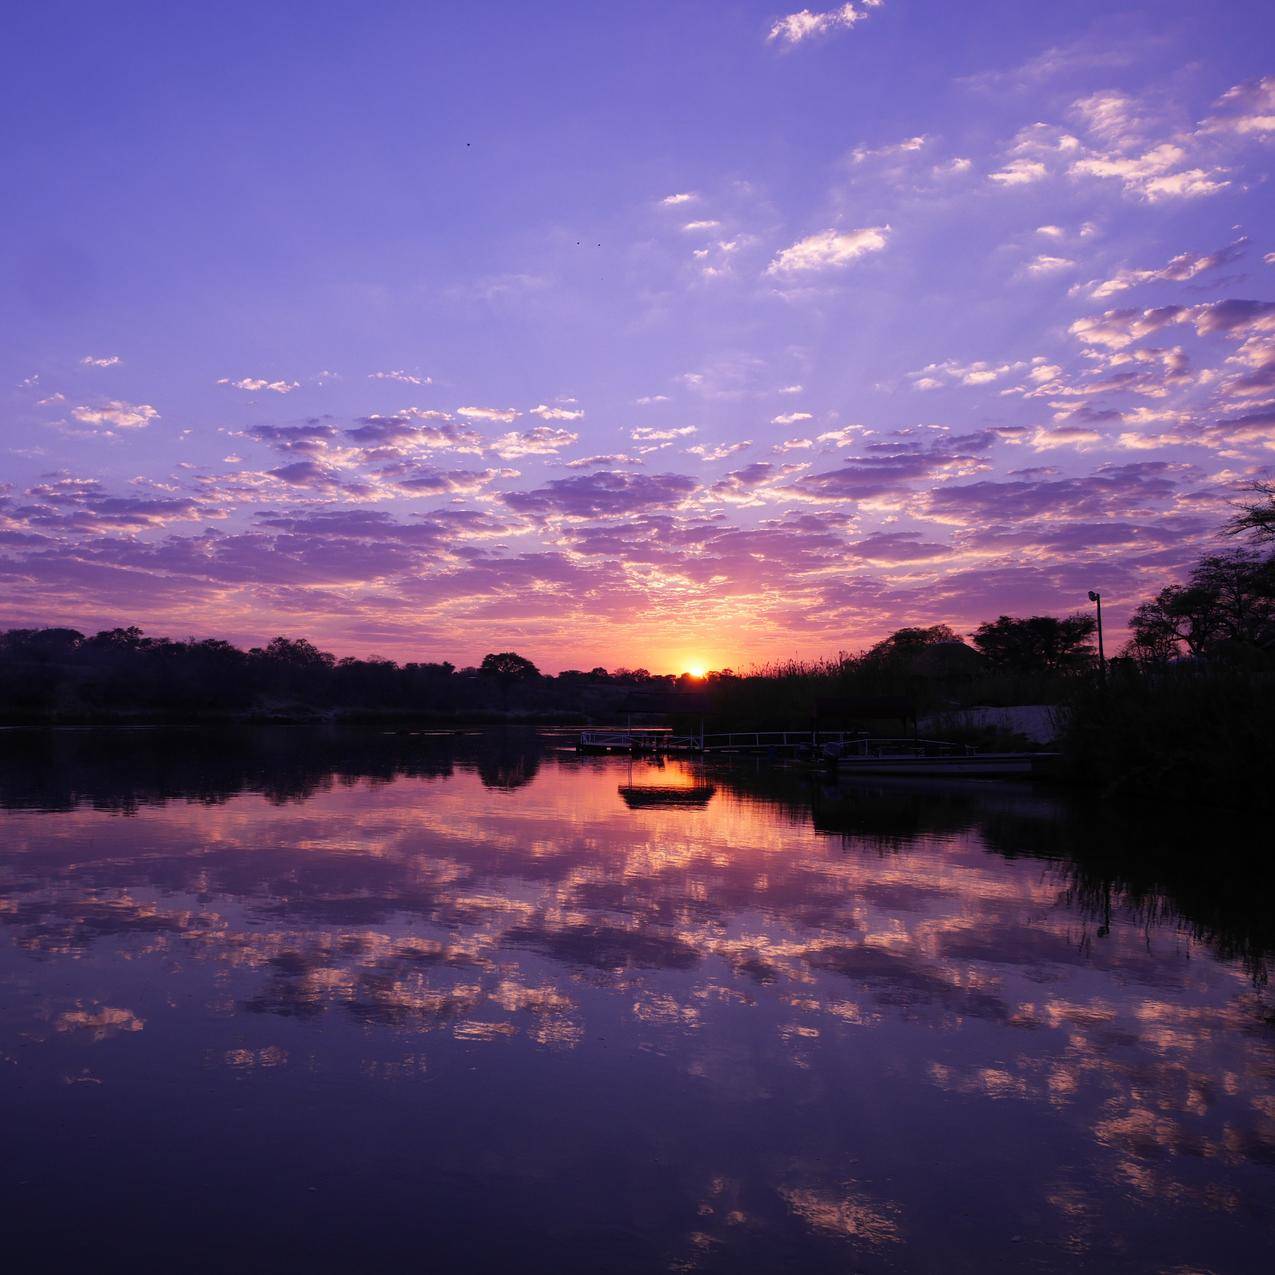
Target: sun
696, 670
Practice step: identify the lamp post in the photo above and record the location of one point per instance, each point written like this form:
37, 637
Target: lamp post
1096, 599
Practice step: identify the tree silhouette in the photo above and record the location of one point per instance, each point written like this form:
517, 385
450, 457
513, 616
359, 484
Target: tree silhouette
1037, 643
1227, 605
509, 666
1257, 518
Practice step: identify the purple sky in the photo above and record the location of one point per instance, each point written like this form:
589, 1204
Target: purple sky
660, 334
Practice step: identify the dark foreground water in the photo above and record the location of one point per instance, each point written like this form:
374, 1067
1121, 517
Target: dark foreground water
295, 1001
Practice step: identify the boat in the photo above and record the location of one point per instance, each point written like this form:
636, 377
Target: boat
647, 795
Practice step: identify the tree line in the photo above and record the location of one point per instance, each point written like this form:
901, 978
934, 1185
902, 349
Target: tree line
1222, 615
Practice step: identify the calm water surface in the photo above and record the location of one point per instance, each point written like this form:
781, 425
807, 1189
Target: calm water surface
289, 1000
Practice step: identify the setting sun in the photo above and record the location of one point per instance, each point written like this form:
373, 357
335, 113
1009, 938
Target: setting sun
696, 670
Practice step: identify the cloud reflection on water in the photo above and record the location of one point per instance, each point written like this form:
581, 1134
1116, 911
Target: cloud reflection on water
854, 992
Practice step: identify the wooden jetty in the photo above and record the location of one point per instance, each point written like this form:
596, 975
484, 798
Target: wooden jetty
932, 757
656, 741
849, 752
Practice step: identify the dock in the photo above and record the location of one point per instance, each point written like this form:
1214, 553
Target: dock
658, 743
848, 752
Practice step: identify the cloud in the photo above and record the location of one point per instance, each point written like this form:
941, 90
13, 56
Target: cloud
1157, 173
437, 482
1178, 269
1082, 55
1124, 141
542, 440
1114, 118
933, 375
897, 546
547, 413
1249, 322
1020, 172
796, 28
1043, 440
829, 249
908, 145
645, 434
502, 414
682, 197
721, 452
406, 378
604, 494
1116, 329
609, 461
312, 437
892, 467
121, 415
707, 224
746, 486
386, 437
94, 509
255, 383
647, 399
1246, 110
106, 360
1044, 265
791, 418
307, 473
1108, 489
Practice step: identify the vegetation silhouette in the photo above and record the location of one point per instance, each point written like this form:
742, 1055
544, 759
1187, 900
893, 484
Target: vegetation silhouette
1182, 712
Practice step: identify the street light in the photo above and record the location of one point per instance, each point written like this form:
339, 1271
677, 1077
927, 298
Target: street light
1096, 599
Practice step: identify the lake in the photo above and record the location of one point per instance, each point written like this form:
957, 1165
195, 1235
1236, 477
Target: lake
297, 999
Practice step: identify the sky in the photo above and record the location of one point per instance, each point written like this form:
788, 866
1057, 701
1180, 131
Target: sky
639, 334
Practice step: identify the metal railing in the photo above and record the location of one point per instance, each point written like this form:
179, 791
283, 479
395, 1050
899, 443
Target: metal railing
905, 748
718, 741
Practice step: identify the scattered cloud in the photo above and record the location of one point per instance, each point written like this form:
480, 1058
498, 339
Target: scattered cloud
405, 378
603, 494
909, 145
1179, 269
645, 434
609, 460
829, 249
105, 360
256, 383
796, 28
504, 415
791, 418
541, 440
720, 452
1044, 264
547, 413
935, 375
118, 414
1245, 110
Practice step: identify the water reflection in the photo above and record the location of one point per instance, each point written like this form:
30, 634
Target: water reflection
322, 1000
